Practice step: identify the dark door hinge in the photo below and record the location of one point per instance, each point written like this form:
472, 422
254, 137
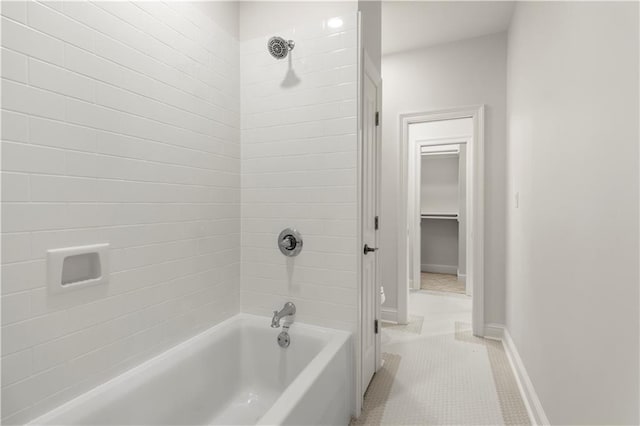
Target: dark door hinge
375, 326
377, 223
377, 118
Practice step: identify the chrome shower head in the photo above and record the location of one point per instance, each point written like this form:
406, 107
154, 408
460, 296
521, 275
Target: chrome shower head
279, 48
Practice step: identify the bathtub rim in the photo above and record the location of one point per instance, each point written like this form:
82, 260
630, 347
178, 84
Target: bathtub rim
335, 338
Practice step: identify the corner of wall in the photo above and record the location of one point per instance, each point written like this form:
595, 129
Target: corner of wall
371, 12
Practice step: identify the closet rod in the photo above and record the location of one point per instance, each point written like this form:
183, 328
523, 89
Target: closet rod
439, 216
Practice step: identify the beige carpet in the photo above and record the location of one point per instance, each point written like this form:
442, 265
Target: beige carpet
441, 282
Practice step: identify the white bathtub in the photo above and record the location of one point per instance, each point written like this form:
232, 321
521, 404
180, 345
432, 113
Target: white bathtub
233, 373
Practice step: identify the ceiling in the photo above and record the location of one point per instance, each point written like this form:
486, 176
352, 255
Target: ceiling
408, 25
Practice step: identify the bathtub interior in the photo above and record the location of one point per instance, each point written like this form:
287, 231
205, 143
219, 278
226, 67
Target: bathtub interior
266, 370
231, 379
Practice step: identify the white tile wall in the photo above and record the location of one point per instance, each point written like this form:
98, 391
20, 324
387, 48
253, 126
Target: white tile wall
299, 169
120, 124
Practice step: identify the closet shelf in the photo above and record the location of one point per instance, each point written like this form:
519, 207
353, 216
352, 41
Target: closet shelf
453, 216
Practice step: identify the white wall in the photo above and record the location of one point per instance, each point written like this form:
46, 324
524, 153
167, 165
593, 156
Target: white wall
464, 73
371, 15
299, 160
439, 246
572, 293
461, 127
226, 14
262, 18
439, 184
120, 124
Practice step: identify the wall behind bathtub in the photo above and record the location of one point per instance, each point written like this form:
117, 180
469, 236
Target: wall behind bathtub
121, 125
299, 163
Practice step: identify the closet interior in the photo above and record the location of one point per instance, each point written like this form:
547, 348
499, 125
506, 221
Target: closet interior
442, 218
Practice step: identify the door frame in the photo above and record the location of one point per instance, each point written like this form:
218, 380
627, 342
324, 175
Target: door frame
414, 225
475, 208
367, 67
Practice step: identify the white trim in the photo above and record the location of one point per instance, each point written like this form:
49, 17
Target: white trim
530, 398
389, 314
494, 331
444, 140
439, 269
528, 392
357, 341
475, 206
413, 202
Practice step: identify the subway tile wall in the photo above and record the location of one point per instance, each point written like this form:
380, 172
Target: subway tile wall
121, 124
299, 169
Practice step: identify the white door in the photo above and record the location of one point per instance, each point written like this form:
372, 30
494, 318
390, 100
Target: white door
370, 202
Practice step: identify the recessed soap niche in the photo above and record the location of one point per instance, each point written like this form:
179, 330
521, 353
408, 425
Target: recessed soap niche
73, 268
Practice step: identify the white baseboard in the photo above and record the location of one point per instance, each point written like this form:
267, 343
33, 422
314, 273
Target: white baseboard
389, 314
494, 331
462, 276
439, 269
528, 392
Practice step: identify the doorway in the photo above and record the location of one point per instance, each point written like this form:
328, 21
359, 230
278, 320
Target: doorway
451, 134
439, 242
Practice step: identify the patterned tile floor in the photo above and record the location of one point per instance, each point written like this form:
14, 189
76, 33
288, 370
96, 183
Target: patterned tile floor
441, 282
414, 326
442, 375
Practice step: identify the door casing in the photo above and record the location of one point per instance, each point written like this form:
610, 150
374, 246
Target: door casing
475, 209
413, 199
